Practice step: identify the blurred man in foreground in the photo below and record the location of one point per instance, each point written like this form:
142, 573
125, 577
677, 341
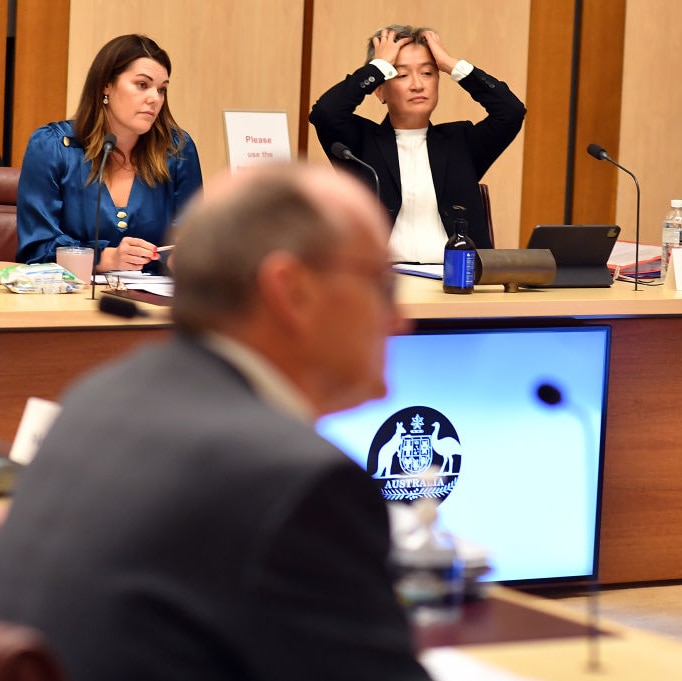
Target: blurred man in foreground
182, 519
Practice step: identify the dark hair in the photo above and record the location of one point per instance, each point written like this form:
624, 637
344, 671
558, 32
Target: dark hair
149, 157
401, 32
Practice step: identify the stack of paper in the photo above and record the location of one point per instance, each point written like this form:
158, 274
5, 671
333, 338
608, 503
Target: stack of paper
141, 281
622, 260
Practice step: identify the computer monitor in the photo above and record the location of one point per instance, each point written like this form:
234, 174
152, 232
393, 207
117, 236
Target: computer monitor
512, 417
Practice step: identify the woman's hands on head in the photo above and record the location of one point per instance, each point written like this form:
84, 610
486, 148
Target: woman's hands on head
386, 46
441, 56
131, 254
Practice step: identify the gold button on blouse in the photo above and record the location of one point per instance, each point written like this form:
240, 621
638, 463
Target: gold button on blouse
122, 225
121, 214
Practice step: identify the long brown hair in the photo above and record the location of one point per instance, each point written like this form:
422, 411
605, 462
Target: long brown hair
149, 156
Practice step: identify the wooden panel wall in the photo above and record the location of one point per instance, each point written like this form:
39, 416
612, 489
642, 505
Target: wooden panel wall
3, 36
42, 44
547, 120
598, 112
561, 182
248, 55
651, 127
225, 55
488, 33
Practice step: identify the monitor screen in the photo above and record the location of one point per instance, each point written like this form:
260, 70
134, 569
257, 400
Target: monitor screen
510, 422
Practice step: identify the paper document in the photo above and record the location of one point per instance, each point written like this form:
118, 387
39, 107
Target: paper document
449, 664
141, 281
622, 259
429, 271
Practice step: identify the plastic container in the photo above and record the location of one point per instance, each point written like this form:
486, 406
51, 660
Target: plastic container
672, 234
429, 575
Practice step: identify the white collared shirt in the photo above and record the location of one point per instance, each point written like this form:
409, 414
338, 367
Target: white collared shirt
268, 382
418, 234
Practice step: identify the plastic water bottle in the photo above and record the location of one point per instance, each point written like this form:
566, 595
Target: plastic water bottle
459, 258
429, 575
672, 234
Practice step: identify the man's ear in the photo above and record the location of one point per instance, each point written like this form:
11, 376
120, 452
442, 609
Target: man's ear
288, 288
379, 92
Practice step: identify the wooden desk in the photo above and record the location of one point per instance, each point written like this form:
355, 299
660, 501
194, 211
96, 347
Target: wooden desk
641, 525
46, 341
549, 645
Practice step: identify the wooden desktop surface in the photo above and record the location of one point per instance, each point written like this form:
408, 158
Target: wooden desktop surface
547, 641
48, 340
422, 298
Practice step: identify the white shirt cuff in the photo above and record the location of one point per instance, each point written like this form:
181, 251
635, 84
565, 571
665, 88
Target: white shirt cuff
461, 70
385, 67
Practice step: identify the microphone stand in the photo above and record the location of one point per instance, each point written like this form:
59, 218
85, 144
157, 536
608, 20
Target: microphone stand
552, 397
99, 202
600, 154
345, 154
607, 158
374, 172
107, 148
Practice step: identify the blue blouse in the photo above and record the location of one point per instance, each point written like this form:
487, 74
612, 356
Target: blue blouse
55, 206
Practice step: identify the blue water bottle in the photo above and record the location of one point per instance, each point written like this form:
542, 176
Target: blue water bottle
459, 259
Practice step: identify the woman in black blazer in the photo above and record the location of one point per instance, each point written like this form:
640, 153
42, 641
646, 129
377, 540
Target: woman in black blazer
423, 170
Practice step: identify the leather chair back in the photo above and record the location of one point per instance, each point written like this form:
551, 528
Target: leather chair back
25, 656
9, 184
485, 198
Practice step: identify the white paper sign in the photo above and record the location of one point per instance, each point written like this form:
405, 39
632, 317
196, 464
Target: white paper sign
673, 277
449, 664
256, 137
36, 421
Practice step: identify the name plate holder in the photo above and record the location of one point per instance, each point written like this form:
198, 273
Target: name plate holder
255, 137
36, 421
673, 277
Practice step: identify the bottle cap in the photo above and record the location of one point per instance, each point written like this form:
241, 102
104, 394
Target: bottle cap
676, 203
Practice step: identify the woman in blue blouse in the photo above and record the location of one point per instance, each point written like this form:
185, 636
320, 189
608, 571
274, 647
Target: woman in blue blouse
152, 171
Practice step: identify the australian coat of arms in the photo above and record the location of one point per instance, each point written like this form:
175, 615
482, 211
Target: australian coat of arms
415, 453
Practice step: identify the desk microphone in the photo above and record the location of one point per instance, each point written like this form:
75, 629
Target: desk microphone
107, 148
551, 396
600, 154
120, 307
345, 154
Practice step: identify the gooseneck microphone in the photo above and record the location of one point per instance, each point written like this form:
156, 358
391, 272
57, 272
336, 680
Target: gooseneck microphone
552, 397
107, 147
600, 154
345, 154
120, 307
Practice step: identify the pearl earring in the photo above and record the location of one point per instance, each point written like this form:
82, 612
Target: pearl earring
383, 101
105, 100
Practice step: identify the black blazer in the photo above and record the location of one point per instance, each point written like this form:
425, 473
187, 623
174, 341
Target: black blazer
460, 153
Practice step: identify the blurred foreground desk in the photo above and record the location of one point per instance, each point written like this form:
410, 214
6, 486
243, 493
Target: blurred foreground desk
48, 340
641, 522
540, 639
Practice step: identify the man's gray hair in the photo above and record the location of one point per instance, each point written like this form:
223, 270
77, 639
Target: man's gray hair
222, 244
